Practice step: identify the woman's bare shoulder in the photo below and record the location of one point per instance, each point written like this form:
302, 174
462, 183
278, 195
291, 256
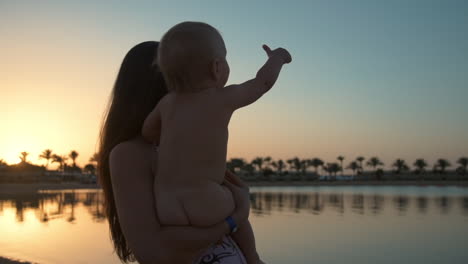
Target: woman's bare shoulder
137, 146
134, 154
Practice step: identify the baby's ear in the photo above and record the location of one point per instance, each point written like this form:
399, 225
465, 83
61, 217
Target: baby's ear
215, 69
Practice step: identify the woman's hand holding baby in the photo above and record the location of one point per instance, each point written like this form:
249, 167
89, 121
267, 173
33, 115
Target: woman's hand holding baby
240, 193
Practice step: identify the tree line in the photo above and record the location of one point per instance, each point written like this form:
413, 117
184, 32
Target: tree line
49, 157
267, 166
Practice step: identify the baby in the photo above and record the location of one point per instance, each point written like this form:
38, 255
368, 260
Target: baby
190, 125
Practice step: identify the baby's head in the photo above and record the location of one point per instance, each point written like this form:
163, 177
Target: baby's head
192, 57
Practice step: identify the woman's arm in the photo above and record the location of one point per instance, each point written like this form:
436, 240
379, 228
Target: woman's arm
132, 182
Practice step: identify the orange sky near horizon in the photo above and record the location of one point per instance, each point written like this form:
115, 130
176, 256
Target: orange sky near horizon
59, 62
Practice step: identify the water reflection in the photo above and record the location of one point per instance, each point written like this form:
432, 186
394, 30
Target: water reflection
266, 203
51, 205
422, 204
464, 202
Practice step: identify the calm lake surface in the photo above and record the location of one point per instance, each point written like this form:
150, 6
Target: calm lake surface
339, 224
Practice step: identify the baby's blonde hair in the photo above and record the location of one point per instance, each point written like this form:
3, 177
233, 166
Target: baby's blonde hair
186, 53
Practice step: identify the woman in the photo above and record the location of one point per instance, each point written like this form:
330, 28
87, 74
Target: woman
125, 173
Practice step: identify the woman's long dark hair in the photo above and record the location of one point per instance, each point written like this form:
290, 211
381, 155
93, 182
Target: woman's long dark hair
137, 90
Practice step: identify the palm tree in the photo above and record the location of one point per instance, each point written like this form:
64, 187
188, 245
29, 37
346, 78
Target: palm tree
442, 164
463, 161
94, 159
316, 163
304, 164
296, 164
332, 168
258, 161
326, 168
341, 159
374, 162
262, 164
23, 156
267, 161
420, 164
47, 155
335, 168
279, 166
73, 155
235, 163
354, 166
61, 160
3, 163
249, 168
90, 168
360, 159
400, 166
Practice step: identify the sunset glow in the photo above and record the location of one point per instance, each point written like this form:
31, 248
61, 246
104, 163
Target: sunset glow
385, 84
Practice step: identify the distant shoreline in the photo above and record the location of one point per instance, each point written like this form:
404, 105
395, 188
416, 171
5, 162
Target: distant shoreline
11, 261
13, 188
359, 183
32, 187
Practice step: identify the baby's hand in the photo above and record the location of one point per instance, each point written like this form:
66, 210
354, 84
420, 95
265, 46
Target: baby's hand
282, 53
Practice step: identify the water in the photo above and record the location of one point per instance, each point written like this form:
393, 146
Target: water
340, 224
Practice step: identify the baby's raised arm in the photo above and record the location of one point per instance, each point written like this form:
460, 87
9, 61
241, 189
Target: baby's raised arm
240, 95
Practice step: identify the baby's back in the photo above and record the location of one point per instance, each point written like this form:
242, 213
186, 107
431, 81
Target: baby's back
191, 160
193, 138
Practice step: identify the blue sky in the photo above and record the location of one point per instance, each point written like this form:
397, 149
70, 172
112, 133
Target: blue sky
386, 78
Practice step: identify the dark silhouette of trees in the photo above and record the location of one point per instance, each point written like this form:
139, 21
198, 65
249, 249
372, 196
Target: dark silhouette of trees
263, 166
341, 159
316, 163
61, 160
3, 164
400, 166
354, 166
420, 165
295, 164
258, 162
374, 162
94, 159
73, 156
360, 159
332, 168
440, 167
463, 162
90, 168
442, 164
24, 156
279, 166
235, 164
47, 155
249, 169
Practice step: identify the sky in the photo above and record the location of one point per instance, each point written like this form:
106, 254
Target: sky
371, 77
